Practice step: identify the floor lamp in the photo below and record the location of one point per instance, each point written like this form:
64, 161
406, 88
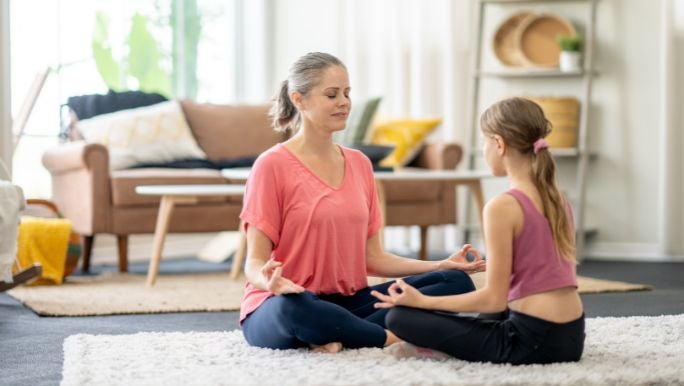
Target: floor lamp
19, 123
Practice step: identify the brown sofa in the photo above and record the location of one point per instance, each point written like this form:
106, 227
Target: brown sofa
98, 200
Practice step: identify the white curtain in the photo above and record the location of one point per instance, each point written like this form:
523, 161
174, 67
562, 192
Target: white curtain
671, 189
414, 54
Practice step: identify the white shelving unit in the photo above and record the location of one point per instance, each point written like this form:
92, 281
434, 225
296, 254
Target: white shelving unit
578, 155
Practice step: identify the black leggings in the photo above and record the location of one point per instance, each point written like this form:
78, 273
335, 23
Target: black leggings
513, 337
298, 320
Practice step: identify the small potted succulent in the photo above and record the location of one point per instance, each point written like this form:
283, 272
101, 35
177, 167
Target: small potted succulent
570, 55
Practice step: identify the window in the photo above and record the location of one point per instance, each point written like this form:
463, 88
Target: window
194, 39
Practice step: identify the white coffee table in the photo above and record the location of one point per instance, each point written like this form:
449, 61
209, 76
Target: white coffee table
172, 195
470, 179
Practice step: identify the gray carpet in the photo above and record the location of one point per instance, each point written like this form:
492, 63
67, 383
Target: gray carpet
31, 346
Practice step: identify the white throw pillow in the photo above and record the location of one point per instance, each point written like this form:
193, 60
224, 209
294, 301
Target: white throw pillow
157, 133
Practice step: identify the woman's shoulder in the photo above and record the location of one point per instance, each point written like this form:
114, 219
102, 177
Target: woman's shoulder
273, 156
355, 156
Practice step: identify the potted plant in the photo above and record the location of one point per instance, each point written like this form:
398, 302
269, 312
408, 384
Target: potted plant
570, 55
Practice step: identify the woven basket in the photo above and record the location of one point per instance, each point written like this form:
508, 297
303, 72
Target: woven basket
563, 113
528, 39
504, 43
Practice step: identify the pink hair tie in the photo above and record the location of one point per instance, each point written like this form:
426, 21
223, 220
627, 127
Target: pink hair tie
540, 144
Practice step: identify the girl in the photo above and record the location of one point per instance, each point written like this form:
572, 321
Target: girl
531, 282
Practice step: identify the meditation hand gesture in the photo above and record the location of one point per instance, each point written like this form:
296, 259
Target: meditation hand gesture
399, 293
276, 283
459, 261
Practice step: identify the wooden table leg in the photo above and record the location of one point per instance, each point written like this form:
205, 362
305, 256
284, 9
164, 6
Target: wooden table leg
476, 189
161, 229
239, 255
423, 253
382, 202
122, 248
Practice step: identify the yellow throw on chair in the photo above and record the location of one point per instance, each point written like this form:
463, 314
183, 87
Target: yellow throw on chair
44, 241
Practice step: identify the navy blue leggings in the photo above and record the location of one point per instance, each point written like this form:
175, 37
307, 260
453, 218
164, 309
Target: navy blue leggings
299, 320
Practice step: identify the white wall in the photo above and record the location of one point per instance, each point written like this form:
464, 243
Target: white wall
622, 189
5, 105
626, 123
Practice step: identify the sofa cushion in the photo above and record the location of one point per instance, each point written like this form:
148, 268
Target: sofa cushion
359, 121
156, 133
231, 131
406, 135
125, 181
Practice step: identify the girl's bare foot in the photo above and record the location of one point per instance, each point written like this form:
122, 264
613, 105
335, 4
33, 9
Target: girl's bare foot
407, 350
329, 348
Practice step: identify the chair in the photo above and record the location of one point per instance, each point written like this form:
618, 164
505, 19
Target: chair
12, 198
424, 203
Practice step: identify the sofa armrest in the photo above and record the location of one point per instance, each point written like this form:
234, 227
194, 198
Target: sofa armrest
81, 185
439, 156
76, 155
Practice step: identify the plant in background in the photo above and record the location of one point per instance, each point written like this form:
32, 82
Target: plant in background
145, 66
569, 42
142, 63
570, 57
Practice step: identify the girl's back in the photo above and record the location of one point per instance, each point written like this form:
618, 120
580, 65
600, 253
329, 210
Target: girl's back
557, 305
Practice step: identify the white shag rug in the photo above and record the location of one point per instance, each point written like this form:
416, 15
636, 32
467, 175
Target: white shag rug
618, 351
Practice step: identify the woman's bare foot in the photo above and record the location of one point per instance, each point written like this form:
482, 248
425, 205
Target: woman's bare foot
329, 348
391, 338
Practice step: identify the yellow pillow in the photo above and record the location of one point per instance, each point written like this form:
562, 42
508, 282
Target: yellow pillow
407, 136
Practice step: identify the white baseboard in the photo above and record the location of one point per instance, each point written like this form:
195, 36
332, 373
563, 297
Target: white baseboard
644, 252
183, 245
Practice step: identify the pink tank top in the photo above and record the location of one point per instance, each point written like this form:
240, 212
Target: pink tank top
537, 266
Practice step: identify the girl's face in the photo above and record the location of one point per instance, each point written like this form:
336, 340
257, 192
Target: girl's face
493, 153
327, 105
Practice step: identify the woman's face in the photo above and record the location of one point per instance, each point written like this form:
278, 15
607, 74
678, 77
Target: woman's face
327, 104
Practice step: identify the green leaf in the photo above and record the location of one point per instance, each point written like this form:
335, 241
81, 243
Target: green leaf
144, 60
109, 69
569, 42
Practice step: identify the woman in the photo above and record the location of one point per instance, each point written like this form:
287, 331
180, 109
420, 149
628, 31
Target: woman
312, 220
531, 278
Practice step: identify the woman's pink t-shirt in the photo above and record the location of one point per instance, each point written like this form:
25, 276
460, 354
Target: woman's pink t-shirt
318, 231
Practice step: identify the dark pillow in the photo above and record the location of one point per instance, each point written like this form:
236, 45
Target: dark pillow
88, 106
199, 163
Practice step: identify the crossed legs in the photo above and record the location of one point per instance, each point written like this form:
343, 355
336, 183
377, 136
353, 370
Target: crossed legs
301, 320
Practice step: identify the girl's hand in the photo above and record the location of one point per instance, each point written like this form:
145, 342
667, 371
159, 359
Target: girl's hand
276, 283
459, 261
399, 294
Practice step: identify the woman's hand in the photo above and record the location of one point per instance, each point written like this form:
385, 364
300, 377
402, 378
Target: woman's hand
399, 294
459, 261
276, 283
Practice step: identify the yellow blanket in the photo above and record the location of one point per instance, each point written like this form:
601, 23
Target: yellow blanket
44, 241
